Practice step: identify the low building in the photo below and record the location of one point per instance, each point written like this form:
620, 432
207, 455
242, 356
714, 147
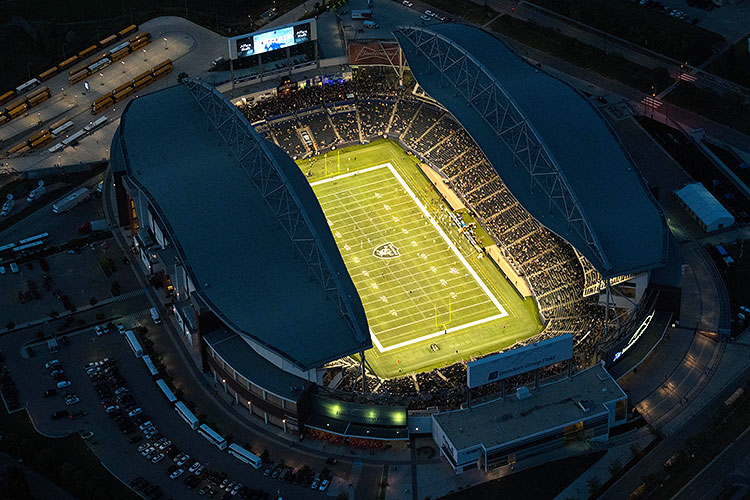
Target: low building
510, 431
704, 207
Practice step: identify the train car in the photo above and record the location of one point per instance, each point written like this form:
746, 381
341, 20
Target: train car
25, 87
117, 48
87, 52
122, 87
18, 110
78, 76
77, 69
99, 122
58, 123
7, 96
38, 92
142, 82
18, 147
61, 128
116, 56
156, 68
68, 62
122, 94
38, 99
39, 134
46, 75
141, 36
40, 141
128, 31
101, 104
99, 65
107, 41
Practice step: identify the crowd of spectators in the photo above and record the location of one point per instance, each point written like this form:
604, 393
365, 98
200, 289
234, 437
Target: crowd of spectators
366, 108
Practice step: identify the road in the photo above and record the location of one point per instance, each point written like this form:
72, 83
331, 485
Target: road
705, 484
654, 461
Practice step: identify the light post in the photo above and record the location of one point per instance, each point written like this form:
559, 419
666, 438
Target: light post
76, 96
166, 47
101, 78
144, 55
123, 66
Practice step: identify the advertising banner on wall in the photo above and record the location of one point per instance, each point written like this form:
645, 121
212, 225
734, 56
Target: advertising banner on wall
509, 363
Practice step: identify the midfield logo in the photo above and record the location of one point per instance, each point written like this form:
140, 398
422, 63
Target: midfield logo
386, 251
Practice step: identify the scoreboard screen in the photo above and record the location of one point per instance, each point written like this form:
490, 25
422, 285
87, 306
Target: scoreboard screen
268, 41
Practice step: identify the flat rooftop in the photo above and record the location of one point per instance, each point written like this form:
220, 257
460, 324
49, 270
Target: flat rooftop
237, 254
504, 421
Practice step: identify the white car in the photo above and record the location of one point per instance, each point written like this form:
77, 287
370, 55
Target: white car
143, 447
425, 17
98, 330
158, 458
324, 484
182, 460
13, 267
194, 467
176, 474
120, 328
407, 3
135, 412
72, 401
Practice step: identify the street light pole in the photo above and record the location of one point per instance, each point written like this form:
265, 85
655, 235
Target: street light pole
166, 47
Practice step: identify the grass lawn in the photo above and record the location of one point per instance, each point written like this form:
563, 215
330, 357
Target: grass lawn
430, 298
65, 461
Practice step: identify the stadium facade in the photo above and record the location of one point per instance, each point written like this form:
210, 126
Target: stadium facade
227, 225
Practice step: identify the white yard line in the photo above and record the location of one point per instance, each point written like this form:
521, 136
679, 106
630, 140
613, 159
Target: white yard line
331, 179
433, 335
451, 245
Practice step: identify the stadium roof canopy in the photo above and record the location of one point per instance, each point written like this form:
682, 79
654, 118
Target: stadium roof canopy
245, 223
546, 142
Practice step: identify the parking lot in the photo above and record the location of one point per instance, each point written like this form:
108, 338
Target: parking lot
119, 450
39, 286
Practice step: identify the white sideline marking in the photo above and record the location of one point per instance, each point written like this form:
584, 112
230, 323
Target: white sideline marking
368, 169
485, 289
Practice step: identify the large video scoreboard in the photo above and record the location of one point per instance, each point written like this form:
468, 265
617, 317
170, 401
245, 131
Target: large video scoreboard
260, 42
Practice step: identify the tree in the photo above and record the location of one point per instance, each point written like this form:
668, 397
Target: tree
10, 325
54, 314
16, 483
593, 484
93, 301
615, 466
45, 460
181, 77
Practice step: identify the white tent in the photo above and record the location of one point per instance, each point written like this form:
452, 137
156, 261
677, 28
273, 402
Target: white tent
703, 207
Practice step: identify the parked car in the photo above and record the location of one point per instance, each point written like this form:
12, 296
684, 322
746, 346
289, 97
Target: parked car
176, 474
324, 484
98, 330
59, 414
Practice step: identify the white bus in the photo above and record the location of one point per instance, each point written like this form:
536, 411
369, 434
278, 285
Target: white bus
186, 415
212, 437
133, 343
248, 457
150, 365
166, 391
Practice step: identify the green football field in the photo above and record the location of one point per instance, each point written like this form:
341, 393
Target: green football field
430, 298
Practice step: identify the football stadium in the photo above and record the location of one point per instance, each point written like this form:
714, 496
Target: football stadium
369, 253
